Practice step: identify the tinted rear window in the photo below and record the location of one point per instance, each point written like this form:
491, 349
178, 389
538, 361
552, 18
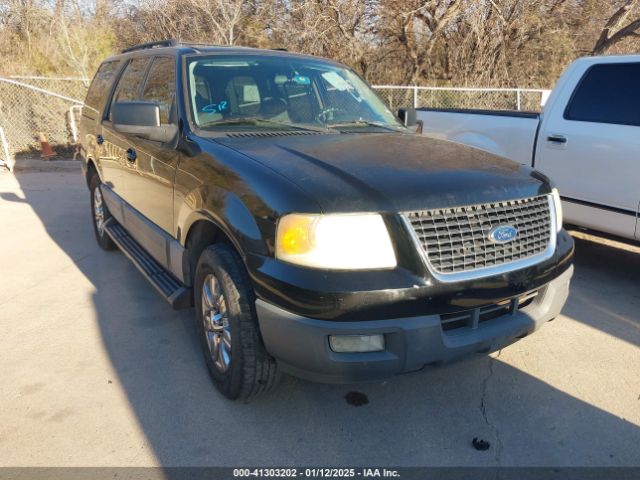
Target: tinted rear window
101, 84
607, 93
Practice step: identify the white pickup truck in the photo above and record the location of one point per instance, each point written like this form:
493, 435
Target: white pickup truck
587, 140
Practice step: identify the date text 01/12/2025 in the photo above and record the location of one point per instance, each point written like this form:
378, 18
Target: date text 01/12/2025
315, 472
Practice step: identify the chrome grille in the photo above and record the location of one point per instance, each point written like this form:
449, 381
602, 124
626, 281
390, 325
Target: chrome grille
456, 240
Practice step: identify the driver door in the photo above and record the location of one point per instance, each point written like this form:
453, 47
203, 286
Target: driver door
156, 162
117, 169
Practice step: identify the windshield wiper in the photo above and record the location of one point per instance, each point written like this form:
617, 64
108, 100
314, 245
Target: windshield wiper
260, 120
364, 123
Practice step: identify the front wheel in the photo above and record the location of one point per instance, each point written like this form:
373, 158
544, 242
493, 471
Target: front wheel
100, 214
237, 361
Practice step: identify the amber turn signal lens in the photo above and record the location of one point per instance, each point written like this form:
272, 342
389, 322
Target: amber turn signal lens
293, 235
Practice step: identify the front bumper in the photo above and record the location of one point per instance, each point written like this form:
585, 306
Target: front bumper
410, 290
301, 344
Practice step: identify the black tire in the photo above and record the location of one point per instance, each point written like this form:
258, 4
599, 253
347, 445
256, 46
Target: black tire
251, 370
102, 237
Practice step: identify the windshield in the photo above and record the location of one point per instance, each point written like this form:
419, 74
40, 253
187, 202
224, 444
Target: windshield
240, 92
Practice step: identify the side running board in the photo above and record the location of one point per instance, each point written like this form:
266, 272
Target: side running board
170, 288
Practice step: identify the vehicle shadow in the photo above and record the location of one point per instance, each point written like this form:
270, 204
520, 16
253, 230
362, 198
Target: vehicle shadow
11, 197
605, 291
423, 419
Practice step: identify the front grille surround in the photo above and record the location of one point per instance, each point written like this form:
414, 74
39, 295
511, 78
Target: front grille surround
454, 241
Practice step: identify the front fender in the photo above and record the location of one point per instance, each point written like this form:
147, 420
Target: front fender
228, 212
239, 195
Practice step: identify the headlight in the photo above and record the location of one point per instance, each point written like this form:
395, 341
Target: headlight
336, 242
557, 204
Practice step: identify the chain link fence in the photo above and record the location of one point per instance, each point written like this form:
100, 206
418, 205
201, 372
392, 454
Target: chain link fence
37, 109
472, 98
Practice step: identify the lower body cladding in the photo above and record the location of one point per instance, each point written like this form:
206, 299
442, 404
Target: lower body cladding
303, 348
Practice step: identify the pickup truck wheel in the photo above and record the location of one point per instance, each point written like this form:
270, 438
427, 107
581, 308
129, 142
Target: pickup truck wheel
100, 214
237, 361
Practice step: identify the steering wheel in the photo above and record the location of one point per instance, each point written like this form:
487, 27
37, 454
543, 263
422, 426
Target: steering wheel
330, 113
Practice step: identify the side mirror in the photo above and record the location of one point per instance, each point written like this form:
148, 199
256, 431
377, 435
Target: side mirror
141, 119
408, 116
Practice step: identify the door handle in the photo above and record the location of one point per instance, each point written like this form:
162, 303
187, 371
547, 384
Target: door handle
99, 139
557, 139
131, 155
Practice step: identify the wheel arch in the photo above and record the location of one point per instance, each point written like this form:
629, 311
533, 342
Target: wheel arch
203, 232
220, 216
90, 170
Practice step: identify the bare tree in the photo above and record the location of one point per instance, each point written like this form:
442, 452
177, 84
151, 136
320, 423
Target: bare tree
222, 17
617, 29
510, 43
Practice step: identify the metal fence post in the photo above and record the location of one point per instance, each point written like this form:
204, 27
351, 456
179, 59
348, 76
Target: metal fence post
415, 96
72, 122
8, 160
518, 99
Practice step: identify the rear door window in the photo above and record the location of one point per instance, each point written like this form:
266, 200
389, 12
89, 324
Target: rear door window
130, 83
161, 86
101, 85
607, 93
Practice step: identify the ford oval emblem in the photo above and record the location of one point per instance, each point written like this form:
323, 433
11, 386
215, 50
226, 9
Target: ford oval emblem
503, 234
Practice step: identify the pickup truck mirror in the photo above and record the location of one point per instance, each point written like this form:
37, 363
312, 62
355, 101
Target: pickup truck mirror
141, 119
408, 116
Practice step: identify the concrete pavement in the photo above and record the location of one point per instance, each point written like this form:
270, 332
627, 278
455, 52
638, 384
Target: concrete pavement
98, 371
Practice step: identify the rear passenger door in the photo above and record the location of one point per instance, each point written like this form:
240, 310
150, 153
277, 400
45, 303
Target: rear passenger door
591, 148
94, 105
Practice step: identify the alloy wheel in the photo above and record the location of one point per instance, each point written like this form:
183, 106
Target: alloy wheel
98, 210
216, 325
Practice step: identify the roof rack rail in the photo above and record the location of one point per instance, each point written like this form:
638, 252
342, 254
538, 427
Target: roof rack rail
196, 44
159, 43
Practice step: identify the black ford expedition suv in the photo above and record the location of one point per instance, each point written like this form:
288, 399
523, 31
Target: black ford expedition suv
313, 231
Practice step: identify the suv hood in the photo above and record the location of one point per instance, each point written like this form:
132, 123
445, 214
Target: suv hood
389, 172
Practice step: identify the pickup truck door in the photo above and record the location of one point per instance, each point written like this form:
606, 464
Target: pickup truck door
591, 148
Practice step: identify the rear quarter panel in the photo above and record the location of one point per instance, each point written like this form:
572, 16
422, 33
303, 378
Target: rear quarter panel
87, 139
